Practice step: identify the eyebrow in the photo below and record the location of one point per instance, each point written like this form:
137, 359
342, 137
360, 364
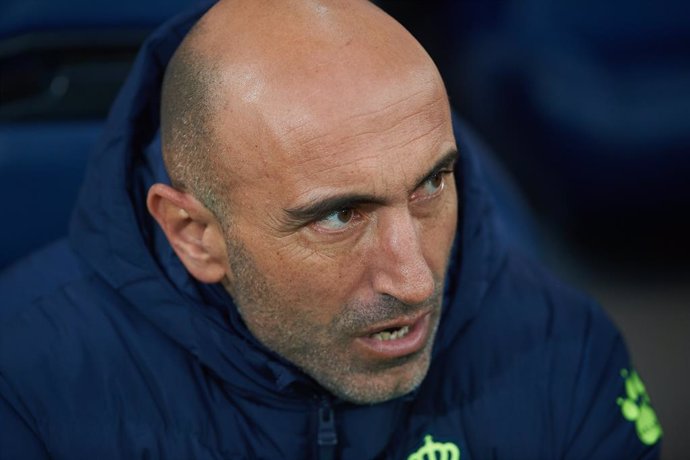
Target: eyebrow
321, 208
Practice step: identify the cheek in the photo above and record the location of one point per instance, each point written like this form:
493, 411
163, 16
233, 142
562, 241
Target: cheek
312, 283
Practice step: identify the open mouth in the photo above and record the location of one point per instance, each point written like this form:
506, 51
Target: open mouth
391, 334
397, 339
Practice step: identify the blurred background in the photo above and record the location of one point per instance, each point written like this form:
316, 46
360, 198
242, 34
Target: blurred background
586, 106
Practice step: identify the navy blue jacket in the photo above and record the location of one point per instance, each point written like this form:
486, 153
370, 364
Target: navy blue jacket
109, 349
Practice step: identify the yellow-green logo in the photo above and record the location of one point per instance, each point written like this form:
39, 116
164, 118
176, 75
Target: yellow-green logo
432, 450
636, 408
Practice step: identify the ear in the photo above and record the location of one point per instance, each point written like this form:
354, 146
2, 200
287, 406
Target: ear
192, 230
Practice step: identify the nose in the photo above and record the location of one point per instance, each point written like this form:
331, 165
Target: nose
399, 267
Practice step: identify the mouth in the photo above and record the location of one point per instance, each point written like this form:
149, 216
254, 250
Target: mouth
391, 333
397, 338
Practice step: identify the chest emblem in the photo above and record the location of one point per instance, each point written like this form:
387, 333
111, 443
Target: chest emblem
432, 450
636, 408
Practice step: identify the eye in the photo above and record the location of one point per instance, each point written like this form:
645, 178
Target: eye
336, 221
432, 185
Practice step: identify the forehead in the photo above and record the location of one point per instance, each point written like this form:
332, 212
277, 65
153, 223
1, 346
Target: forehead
350, 138
348, 115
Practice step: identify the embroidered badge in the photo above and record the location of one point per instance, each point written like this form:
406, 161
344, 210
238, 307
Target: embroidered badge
432, 450
636, 408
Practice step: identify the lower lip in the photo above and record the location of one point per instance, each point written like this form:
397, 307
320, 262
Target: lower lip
414, 341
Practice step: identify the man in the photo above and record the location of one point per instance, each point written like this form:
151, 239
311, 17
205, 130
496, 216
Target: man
281, 282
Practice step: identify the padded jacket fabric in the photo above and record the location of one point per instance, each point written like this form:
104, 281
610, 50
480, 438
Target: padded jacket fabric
110, 350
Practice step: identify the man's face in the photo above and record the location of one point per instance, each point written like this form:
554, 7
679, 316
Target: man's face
343, 211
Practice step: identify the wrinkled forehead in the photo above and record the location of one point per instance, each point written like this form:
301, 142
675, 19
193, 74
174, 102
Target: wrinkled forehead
321, 109
370, 117
347, 91
305, 130
378, 140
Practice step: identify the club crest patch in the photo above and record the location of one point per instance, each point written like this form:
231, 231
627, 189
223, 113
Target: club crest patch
433, 450
636, 408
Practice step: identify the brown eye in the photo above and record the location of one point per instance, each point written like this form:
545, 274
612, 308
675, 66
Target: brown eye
337, 220
345, 215
437, 180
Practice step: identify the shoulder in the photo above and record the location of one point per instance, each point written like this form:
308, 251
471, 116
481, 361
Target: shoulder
39, 274
73, 349
531, 333
568, 357
529, 326
46, 296
548, 330
540, 367
527, 298
58, 330
51, 302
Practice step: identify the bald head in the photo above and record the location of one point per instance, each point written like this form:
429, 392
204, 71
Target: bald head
254, 76
318, 133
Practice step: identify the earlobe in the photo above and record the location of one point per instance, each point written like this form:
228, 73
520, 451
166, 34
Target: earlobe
192, 230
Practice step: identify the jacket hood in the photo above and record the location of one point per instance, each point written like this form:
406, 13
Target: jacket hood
113, 233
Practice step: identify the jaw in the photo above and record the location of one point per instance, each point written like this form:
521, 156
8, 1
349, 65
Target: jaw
382, 379
397, 379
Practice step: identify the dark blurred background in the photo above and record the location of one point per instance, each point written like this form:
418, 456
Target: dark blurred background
586, 105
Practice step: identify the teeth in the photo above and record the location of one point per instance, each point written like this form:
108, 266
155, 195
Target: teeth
397, 334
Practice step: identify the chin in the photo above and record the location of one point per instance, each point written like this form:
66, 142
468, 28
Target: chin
383, 385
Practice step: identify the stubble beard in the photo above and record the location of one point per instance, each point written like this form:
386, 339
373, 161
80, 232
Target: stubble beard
321, 351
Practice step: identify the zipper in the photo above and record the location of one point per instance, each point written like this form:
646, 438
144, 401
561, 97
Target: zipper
327, 437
